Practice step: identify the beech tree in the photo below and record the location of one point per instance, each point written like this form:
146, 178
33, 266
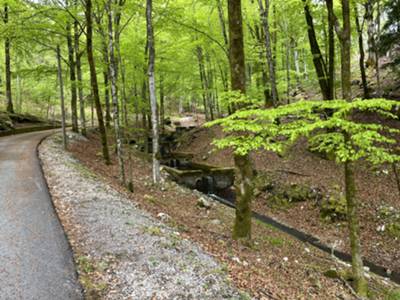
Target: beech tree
244, 170
152, 92
347, 140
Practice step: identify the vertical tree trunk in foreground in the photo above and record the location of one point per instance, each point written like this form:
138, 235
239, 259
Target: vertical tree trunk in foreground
360, 284
7, 48
114, 94
152, 92
244, 172
61, 84
93, 79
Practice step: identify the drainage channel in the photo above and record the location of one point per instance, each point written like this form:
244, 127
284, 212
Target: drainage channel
307, 238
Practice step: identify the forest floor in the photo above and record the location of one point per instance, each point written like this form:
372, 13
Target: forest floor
376, 190
274, 266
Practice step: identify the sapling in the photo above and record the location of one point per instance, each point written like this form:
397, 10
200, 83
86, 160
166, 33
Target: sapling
336, 133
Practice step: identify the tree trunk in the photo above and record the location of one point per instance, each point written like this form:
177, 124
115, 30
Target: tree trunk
362, 54
237, 60
162, 108
204, 84
72, 77
346, 50
264, 13
80, 80
114, 94
244, 172
152, 92
360, 284
7, 48
318, 60
93, 79
331, 55
61, 84
378, 36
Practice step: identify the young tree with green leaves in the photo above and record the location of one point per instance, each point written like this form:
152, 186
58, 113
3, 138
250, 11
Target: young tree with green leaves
338, 134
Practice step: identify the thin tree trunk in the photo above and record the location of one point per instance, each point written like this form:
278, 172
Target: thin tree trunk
152, 92
346, 50
114, 94
360, 283
93, 80
162, 108
80, 79
396, 176
61, 84
288, 78
362, 53
72, 77
331, 55
378, 36
244, 172
7, 48
203, 80
264, 13
318, 60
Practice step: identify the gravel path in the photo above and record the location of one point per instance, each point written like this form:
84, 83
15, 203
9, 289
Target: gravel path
35, 258
132, 255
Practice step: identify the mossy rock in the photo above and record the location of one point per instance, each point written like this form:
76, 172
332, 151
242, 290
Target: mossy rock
333, 208
285, 195
5, 122
390, 216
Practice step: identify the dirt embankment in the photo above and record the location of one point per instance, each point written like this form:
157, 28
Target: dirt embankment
376, 190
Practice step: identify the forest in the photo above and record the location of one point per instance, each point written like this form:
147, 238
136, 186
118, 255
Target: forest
286, 111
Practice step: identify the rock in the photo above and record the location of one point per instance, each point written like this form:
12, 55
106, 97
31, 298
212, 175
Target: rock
333, 207
163, 217
203, 203
332, 273
216, 222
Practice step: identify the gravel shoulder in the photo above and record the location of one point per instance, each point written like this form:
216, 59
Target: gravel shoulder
121, 251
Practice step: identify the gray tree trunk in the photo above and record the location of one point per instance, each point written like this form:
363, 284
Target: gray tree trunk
114, 93
61, 85
152, 92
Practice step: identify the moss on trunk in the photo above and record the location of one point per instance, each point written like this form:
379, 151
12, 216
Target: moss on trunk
244, 196
360, 283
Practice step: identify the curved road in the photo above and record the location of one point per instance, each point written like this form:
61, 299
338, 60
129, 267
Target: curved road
35, 257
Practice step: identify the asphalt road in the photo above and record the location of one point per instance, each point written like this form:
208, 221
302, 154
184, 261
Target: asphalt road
35, 257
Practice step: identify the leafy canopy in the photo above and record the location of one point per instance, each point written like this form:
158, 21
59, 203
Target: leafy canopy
336, 132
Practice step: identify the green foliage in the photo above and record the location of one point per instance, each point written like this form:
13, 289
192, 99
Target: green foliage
337, 133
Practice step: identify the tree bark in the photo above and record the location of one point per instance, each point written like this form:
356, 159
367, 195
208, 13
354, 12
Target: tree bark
72, 78
61, 84
236, 49
204, 83
114, 94
318, 60
362, 54
79, 77
264, 13
152, 92
7, 49
360, 283
331, 54
244, 172
345, 37
93, 79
